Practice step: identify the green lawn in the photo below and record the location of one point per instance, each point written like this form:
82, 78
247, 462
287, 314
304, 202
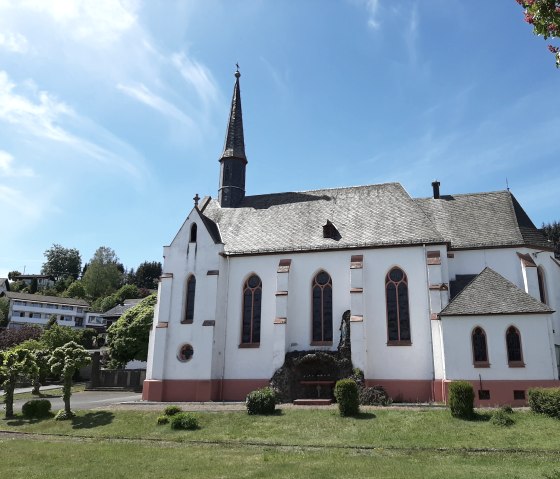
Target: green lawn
294, 443
50, 393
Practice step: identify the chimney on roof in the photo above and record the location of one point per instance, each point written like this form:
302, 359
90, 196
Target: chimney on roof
435, 186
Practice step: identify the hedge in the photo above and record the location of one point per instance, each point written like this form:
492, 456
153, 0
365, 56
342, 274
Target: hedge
461, 399
545, 401
346, 395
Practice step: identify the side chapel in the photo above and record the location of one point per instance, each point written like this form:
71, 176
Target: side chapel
436, 289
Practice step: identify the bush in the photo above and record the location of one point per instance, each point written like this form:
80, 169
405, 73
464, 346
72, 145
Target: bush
501, 418
507, 409
184, 420
261, 401
346, 395
63, 416
36, 408
461, 399
374, 396
161, 420
172, 410
545, 401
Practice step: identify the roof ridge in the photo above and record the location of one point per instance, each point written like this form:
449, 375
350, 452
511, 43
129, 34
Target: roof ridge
338, 188
478, 193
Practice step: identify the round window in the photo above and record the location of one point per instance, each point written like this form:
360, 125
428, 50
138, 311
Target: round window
185, 353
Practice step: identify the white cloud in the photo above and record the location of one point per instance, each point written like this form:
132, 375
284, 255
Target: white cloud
13, 42
372, 7
44, 118
97, 21
198, 76
20, 206
147, 97
7, 170
38, 118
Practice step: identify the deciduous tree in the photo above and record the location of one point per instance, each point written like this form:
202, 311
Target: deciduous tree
65, 361
102, 276
15, 364
128, 337
62, 262
544, 15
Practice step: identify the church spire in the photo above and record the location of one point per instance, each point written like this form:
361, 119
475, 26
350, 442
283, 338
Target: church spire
232, 171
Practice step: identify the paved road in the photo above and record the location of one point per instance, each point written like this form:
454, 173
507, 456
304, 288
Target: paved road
88, 400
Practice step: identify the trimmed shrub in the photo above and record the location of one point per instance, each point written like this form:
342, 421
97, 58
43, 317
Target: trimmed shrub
501, 417
507, 409
461, 399
184, 420
172, 410
545, 401
36, 408
62, 415
374, 396
261, 401
161, 420
346, 394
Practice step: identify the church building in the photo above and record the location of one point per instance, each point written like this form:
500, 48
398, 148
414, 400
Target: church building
450, 287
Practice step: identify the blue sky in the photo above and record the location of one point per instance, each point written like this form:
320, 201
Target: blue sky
113, 113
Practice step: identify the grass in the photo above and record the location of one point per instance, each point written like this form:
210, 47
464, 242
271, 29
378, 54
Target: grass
49, 393
386, 443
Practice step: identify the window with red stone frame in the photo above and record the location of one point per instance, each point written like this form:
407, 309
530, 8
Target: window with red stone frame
479, 348
251, 313
398, 315
514, 349
322, 321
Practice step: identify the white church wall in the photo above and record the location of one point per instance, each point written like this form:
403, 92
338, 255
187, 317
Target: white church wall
397, 362
537, 348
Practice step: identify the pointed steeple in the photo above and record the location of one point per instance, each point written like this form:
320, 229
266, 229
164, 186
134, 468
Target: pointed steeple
233, 161
234, 146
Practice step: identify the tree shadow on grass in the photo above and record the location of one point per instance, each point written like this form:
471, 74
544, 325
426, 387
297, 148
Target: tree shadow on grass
92, 419
477, 416
365, 415
19, 420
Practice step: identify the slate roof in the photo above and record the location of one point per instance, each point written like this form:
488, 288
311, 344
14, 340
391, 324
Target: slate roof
46, 299
234, 145
481, 220
489, 293
120, 309
364, 216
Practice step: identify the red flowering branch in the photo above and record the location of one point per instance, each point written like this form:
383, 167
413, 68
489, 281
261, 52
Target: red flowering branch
544, 15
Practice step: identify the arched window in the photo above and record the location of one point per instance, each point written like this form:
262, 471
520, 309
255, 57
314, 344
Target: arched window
251, 324
398, 317
189, 303
479, 348
193, 233
322, 330
542, 284
514, 351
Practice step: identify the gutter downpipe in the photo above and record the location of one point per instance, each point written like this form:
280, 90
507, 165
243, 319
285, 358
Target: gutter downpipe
225, 333
429, 318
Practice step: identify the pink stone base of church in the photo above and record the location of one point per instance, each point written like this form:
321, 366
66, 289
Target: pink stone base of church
414, 391
176, 390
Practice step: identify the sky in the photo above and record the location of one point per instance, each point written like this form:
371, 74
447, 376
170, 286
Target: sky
113, 113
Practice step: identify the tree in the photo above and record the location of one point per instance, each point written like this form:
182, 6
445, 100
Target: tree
147, 274
13, 337
62, 262
4, 310
57, 336
75, 290
128, 337
65, 361
544, 15
33, 286
15, 364
102, 276
552, 231
12, 275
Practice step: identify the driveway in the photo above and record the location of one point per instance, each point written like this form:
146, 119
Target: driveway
88, 400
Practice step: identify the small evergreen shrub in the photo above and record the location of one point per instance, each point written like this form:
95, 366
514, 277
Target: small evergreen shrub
161, 420
545, 401
500, 417
36, 408
507, 409
261, 401
346, 395
374, 396
184, 420
62, 415
461, 399
172, 410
